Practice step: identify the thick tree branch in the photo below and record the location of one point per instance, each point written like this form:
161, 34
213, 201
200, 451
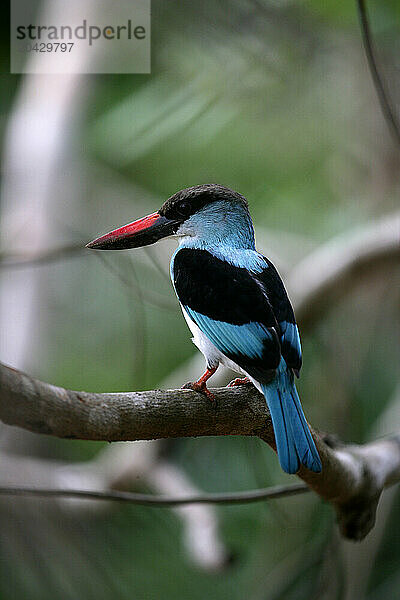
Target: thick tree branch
353, 476
352, 479
327, 274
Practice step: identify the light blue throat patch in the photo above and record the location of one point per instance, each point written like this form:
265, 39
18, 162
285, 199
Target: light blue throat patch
239, 257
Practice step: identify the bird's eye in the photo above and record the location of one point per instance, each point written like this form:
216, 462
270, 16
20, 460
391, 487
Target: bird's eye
184, 208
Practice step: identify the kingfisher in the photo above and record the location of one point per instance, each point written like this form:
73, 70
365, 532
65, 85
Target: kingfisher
234, 303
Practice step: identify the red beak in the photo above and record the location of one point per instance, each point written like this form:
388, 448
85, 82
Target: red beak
142, 232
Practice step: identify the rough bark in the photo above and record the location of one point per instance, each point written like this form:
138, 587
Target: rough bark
352, 479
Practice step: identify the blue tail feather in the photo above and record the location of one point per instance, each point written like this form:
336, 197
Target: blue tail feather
294, 442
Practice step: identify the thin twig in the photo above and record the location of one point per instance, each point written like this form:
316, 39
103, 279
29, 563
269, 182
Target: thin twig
158, 302
15, 261
139, 325
156, 264
384, 100
246, 497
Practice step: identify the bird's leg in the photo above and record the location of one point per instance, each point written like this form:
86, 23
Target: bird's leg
201, 384
239, 381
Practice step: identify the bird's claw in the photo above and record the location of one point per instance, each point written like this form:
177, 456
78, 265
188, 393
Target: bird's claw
239, 381
202, 389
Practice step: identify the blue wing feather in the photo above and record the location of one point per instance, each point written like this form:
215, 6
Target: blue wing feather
248, 339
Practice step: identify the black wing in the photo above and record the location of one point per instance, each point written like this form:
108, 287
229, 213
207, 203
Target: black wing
283, 311
232, 309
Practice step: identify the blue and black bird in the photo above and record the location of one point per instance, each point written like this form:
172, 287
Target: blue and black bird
234, 302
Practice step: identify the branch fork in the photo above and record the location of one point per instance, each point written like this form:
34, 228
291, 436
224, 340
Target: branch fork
352, 479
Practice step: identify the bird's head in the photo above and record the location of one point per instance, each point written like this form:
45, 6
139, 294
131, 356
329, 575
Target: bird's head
207, 212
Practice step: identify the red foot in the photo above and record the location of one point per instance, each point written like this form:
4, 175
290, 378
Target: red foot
201, 388
239, 381
201, 385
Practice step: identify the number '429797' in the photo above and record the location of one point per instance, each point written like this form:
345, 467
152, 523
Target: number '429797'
50, 47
